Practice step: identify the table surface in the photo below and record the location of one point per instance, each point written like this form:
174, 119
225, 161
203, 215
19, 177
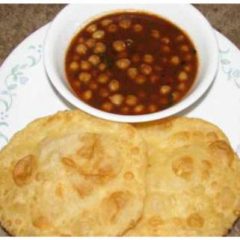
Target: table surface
17, 21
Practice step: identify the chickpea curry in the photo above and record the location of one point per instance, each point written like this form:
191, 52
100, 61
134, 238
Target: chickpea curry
131, 63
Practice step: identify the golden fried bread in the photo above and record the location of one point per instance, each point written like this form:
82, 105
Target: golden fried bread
71, 174
193, 180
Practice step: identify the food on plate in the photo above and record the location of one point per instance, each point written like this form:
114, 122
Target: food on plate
193, 180
71, 174
131, 63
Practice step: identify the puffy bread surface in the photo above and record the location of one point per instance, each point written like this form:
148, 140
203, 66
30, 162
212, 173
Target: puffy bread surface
72, 174
193, 180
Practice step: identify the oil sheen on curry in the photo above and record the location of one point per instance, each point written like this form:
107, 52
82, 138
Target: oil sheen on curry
131, 63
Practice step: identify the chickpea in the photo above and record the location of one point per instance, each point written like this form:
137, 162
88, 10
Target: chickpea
188, 57
114, 85
76, 57
125, 23
165, 40
175, 96
152, 108
180, 38
77, 84
87, 95
136, 58
181, 87
98, 34
93, 85
94, 59
182, 76
106, 22
165, 89
81, 49
175, 60
102, 66
139, 108
137, 27
90, 42
132, 72
140, 79
85, 65
154, 78
112, 28
123, 63
125, 110
73, 66
81, 40
163, 101
119, 46
148, 58
117, 99
103, 78
184, 48
155, 34
103, 93
84, 77
146, 69
100, 47
92, 28
166, 49
188, 68
107, 106
131, 100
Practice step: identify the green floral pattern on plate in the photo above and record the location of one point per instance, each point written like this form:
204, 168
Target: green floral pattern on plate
233, 74
17, 77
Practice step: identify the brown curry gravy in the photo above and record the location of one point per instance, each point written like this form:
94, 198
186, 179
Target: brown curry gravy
131, 63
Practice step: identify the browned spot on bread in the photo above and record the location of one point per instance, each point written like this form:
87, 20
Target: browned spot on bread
115, 203
183, 167
212, 136
179, 222
23, 170
88, 144
206, 168
18, 221
41, 222
128, 175
83, 189
135, 150
225, 198
155, 221
68, 162
181, 136
59, 191
195, 221
94, 159
221, 149
237, 212
198, 134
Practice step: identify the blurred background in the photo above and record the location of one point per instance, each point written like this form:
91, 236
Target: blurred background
17, 21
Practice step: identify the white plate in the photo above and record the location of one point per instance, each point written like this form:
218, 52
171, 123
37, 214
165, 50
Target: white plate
26, 93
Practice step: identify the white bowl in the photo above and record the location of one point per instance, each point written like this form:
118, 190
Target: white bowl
70, 20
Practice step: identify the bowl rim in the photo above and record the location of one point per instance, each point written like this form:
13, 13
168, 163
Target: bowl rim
173, 110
